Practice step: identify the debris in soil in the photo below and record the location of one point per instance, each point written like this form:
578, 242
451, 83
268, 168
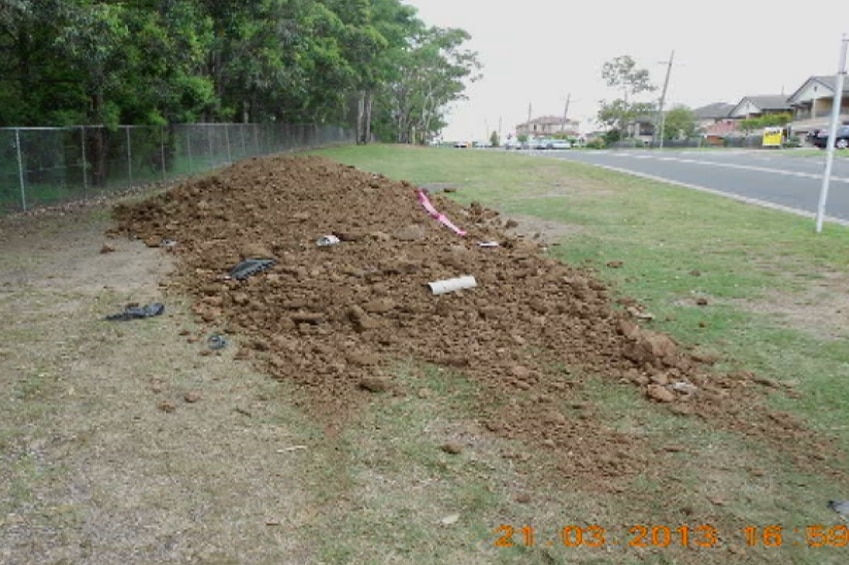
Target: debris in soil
695, 273
615, 264
450, 519
217, 341
137, 312
330, 318
451, 285
327, 240
523, 498
701, 301
250, 267
107, 249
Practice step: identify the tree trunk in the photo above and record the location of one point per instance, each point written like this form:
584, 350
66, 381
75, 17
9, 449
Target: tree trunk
97, 148
369, 106
361, 116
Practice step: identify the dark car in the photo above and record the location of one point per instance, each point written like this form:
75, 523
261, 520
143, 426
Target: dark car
841, 139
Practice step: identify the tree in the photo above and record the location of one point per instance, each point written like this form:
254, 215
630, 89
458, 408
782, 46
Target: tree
621, 73
679, 123
431, 73
494, 140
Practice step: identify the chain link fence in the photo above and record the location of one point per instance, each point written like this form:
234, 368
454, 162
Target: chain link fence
42, 166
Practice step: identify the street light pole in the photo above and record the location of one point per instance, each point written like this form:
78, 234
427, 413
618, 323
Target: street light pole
832, 130
661, 116
565, 113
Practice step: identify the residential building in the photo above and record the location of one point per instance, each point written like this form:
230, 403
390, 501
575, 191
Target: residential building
549, 125
760, 105
813, 103
706, 116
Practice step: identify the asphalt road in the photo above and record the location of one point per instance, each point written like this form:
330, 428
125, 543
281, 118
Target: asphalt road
779, 180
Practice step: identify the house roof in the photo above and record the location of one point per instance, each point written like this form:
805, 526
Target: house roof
713, 111
764, 102
550, 120
825, 80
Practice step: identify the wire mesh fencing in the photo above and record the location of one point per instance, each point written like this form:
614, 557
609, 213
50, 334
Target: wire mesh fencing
43, 166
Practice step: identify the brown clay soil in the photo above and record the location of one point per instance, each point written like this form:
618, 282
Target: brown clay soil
336, 319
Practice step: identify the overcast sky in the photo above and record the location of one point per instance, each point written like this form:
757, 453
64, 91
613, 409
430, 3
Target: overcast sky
539, 51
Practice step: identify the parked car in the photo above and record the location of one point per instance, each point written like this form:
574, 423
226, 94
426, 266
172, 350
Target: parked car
461, 145
540, 143
841, 138
559, 144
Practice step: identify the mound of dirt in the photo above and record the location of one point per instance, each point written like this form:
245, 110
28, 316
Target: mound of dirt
333, 317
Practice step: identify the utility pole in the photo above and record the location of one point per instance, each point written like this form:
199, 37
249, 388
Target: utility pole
565, 113
661, 118
832, 130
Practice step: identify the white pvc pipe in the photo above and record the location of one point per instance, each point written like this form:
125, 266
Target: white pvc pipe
450, 285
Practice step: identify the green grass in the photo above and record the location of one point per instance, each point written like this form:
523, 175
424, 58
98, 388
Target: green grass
663, 235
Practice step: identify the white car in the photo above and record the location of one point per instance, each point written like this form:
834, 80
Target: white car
559, 144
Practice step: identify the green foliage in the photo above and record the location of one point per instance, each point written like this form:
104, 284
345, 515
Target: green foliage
766, 121
792, 141
523, 138
622, 73
494, 139
679, 123
164, 61
596, 143
611, 136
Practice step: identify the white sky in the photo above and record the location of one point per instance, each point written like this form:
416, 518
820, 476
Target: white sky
537, 51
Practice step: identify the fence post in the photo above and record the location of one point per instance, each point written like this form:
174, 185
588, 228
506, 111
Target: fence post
21, 169
227, 140
212, 163
129, 160
189, 147
85, 162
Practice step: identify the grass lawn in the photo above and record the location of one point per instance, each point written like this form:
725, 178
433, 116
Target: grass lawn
758, 288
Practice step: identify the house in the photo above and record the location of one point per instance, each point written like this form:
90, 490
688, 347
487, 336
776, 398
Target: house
813, 102
715, 133
642, 128
549, 125
760, 105
706, 116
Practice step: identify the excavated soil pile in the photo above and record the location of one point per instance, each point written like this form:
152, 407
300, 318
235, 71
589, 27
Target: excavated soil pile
332, 318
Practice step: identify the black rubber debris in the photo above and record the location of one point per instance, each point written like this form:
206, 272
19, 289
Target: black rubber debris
137, 312
217, 341
250, 267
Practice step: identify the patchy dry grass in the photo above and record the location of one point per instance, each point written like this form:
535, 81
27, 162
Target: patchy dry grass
104, 460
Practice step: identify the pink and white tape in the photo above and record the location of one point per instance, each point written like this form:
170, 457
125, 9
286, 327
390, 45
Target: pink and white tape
434, 213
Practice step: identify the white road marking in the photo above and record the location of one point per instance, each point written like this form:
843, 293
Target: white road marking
746, 199
736, 166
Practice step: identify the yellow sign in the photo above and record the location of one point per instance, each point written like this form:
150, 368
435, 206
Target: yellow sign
773, 137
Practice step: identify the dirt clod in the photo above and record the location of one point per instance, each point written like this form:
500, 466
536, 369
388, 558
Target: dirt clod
452, 448
191, 397
660, 393
374, 384
166, 406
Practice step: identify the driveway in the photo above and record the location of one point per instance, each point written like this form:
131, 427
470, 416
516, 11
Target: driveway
779, 180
